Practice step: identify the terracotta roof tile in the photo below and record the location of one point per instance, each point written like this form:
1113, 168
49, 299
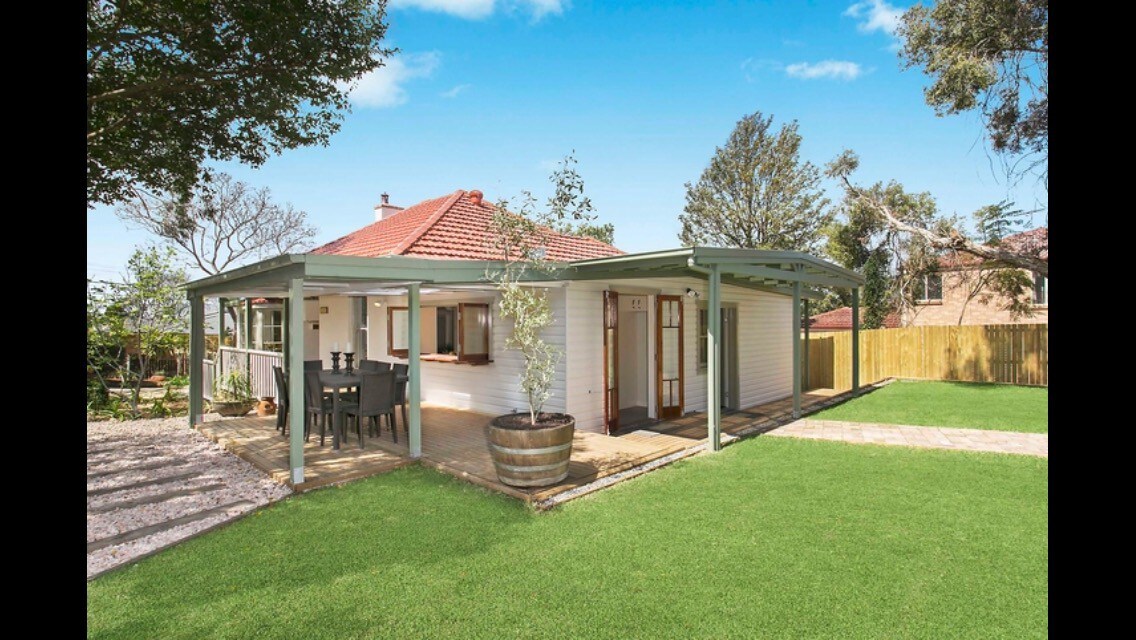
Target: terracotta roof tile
840, 319
451, 227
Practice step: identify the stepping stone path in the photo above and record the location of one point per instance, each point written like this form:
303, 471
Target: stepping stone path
154, 483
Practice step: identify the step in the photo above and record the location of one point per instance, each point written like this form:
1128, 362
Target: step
154, 499
142, 467
164, 526
144, 483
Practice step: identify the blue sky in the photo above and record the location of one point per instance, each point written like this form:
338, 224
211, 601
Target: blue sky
489, 94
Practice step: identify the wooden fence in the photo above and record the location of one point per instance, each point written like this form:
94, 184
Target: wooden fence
1010, 353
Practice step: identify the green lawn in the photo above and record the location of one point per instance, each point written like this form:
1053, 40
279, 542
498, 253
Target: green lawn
770, 538
968, 405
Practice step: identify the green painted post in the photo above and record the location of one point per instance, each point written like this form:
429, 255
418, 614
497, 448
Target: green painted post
196, 357
414, 385
855, 340
808, 321
295, 365
713, 360
248, 336
797, 349
220, 323
287, 330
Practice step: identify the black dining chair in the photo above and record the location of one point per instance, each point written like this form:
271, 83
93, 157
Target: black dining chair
316, 406
401, 373
376, 399
368, 365
281, 400
313, 365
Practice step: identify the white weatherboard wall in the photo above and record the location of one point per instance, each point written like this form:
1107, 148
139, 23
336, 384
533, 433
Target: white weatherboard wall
311, 334
765, 349
333, 326
492, 388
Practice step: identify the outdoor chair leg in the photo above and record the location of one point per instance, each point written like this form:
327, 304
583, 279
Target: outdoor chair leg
393, 426
323, 426
405, 424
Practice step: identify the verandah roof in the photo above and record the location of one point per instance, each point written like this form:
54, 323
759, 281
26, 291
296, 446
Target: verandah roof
774, 271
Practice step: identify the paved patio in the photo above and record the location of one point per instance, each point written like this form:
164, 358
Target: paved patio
1032, 444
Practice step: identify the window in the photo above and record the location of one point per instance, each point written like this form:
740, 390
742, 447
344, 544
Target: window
703, 356
447, 330
268, 329
1040, 289
929, 288
398, 333
473, 332
461, 332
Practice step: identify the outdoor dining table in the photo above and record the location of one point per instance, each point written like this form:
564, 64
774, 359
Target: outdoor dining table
338, 381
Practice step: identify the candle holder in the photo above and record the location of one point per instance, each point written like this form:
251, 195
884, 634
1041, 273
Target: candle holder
350, 357
335, 361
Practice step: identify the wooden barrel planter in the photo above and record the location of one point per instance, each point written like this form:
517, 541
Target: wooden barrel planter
531, 457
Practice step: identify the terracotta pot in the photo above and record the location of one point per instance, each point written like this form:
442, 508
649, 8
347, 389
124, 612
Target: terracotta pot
266, 406
531, 457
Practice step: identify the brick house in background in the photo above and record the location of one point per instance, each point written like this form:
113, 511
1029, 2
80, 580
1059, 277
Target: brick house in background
840, 319
959, 292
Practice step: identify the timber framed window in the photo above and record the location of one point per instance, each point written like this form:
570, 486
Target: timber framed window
398, 331
461, 333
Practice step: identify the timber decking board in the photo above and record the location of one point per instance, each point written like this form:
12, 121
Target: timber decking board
455, 442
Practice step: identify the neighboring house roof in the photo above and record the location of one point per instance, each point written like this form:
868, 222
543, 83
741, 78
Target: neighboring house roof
840, 319
454, 227
1034, 241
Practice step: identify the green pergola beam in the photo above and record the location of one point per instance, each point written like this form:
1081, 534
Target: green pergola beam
295, 365
796, 349
787, 277
414, 368
196, 359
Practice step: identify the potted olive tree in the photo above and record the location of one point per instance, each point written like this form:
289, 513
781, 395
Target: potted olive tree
533, 448
232, 394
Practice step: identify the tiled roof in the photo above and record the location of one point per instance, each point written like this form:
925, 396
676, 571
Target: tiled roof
840, 319
1034, 241
453, 227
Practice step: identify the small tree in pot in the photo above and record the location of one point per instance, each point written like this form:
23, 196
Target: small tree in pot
533, 449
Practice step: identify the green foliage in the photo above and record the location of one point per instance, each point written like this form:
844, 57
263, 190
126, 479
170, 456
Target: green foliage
177, 382
770, 538
877, 285
222, 224
234, 386
992, 56
143, 316
172, 84
967, 405
521, 239
996, 221
756, 193
605, 233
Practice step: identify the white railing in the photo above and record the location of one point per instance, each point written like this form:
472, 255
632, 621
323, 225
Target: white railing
258, 364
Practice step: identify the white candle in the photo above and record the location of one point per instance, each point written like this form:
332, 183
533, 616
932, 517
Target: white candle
335, 347
349, 349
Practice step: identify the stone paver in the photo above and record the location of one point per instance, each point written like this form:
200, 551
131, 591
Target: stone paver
1031, 444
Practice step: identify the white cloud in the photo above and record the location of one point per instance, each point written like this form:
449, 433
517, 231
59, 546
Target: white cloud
875, 15
825, 69
479, 9
384, 87
453, 93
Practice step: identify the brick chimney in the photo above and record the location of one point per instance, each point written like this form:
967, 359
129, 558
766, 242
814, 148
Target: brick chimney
476, 196
385, 209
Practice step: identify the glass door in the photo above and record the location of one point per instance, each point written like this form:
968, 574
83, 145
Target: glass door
611, 361
668, 356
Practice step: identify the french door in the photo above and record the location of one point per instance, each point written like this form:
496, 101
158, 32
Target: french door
611, 361
668, 356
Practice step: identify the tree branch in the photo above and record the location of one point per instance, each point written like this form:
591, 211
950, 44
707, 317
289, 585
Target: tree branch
955, 241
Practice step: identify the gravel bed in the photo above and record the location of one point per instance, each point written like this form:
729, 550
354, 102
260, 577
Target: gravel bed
142, 442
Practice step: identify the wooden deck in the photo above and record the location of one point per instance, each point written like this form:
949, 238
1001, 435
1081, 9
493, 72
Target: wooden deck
455, 442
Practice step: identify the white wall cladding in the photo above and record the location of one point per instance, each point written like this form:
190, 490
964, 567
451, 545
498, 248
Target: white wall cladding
765, 348
493, 388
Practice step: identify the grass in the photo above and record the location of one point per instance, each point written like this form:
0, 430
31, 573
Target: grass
967, 405
769, 538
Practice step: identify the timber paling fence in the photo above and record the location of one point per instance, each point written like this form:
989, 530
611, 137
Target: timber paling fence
1007, 353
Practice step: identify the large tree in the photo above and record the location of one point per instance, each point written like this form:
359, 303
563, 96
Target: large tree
173, 83
756, 192
223, 225
992, 56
